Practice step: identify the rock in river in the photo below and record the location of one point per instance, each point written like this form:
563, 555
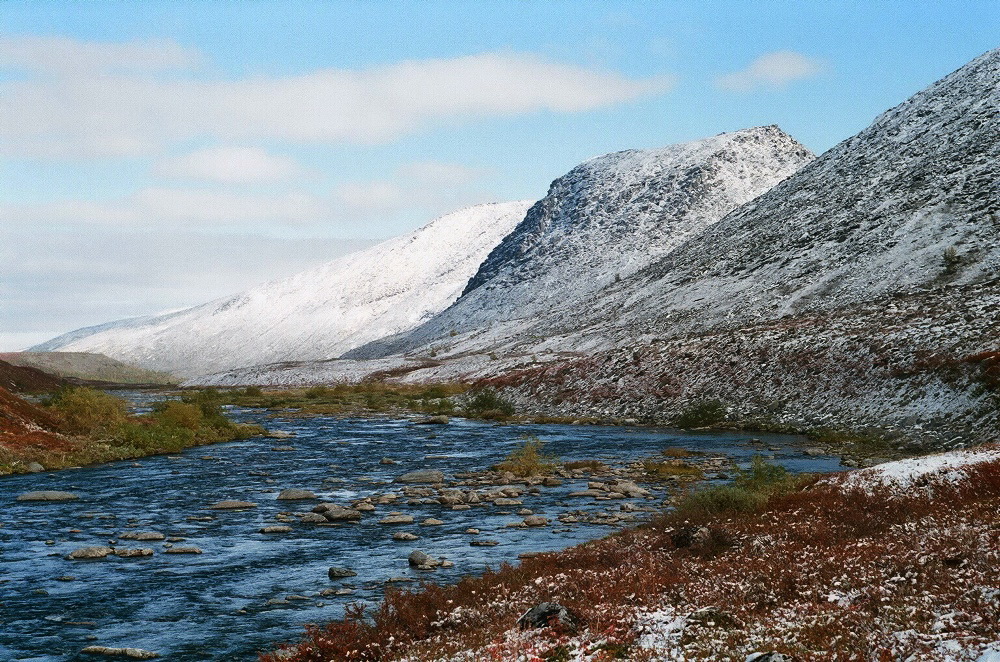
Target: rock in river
90, 553
536, 520
232, 505
133, 653
47, 495
419, 559
276, 529
142, 535
334, 513
130, 553
422, 476
340, 573
396, 518
293, 494
182, 550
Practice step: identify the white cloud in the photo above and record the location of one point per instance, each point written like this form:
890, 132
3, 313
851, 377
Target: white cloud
155, 206
86, 111
231, 165
64, 56
771, 70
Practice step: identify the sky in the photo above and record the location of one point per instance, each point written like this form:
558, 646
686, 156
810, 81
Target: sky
157, 155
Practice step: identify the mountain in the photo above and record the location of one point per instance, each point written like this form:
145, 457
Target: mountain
862, 292
317, 314
602, 222
23, 379
85, 367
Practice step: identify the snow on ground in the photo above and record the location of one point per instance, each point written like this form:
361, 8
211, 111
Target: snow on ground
917, 471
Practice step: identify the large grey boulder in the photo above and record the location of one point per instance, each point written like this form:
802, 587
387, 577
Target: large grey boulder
422, 476
48, 495
132, 653
340, 573
90, 553
293, 494
549, 614
336, 513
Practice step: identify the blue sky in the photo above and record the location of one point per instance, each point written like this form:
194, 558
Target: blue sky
155, 155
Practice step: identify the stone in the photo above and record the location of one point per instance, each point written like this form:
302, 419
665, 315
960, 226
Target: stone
283, 448
132, 653
421, 476
48, 495
34, 468
433, 420
461, 506
183, 550
770, 656
536, 520
549, 614
127, 553
713, 617
231, 505
90, 553
279, 434
142, 535
551, 481
335, 513
484, 543
276, 529
387, 460
507, 502
813, 452
396, 518
293, 494
419, 559
364, 507
340, 573
430, 521
404, 536
586, 493
472, 532
312, 518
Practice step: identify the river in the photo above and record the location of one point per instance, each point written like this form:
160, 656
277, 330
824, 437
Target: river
232, 600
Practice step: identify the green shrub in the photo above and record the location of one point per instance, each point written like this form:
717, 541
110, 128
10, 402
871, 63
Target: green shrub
750, 491
700, 414
179, 414
86, 410
528, 459
658, 470
316, 392
488, 404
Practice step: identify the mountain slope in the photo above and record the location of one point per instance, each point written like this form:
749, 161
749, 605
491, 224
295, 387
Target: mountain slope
87, 367
317, 314
603, 221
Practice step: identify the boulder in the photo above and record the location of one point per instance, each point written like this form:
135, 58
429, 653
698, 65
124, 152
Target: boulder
549, 614
340, 573
276, 529
48, 495
770, 656
419, 559
127, 553
312, 518
404, 536
432, 420
90, 553
334, 513
387, 460
536, 520
183, 550
232, 505
142, 535
34, 468
421, 476
132, 653
430, 521
293, 494
396, 518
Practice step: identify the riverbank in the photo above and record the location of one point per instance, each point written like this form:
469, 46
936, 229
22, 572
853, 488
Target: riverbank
79, 426
893, 562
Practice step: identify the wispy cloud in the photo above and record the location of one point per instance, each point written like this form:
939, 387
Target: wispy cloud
113, 103
231, 165
771, 71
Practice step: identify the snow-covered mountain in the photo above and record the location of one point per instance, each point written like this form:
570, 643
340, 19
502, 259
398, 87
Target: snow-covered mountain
605, 220
317, 314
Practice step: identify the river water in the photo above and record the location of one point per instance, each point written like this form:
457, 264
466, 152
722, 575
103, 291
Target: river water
215, 605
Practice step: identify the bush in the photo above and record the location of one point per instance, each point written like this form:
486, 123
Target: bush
87, 411
316, 392
528, 459
700, 414
179, 414
658, 470
488, 404
749, 492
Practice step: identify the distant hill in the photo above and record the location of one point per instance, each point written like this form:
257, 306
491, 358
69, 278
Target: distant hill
86, 366
23, 379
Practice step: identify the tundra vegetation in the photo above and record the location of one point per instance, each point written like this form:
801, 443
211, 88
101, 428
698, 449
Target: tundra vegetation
96, 426
799, 565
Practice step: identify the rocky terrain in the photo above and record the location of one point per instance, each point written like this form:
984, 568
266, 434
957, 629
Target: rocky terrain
861, 293
602, 222
317, 314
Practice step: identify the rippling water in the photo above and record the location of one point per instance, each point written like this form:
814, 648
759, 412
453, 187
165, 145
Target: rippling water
214, 606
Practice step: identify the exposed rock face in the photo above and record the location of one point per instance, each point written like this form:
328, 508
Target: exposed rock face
549, 614
317, 314
603, 221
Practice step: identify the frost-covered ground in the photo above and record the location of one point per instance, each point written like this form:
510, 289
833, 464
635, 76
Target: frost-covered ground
317, 314
831, 572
